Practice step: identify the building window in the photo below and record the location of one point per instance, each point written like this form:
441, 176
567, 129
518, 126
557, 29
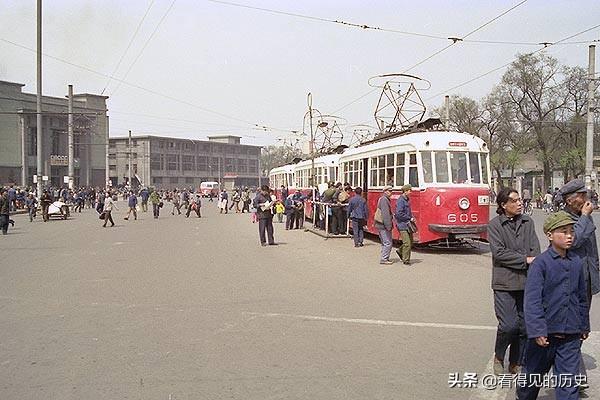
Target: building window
32, 142
155, 162
172, 162
157, 179
253, 166
188, 163
55, 142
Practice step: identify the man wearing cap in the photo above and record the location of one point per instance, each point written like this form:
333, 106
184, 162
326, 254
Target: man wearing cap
384, 225
404, 217
579, 208
556, 313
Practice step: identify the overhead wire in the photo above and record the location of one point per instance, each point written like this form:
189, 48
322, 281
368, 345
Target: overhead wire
145, 45
510, 62
454, 41
137, 29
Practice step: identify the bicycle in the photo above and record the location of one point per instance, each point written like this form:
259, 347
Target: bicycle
528, 208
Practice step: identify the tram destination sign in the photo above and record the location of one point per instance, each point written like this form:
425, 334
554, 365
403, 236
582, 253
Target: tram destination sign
457, 144
59, 160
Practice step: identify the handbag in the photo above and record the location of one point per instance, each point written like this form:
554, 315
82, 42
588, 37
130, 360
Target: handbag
412, 226
102, 215
378, 216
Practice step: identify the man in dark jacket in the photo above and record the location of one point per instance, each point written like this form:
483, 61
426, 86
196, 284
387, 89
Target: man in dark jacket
263, 204
514, 245
4, 211
404, 217
579, 208
385, 225
358, 214
45, 201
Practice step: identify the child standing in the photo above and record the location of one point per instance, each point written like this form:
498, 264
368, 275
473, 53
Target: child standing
556, 313
279, 209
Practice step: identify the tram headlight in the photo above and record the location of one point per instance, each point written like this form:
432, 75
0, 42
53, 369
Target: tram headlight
464, 203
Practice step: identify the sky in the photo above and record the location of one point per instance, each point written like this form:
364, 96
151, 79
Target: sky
193, 68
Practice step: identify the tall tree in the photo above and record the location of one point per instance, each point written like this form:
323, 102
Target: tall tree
533, 84
465, 114
275, 156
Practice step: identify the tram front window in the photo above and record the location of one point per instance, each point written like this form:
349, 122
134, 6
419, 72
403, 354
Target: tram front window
458, 167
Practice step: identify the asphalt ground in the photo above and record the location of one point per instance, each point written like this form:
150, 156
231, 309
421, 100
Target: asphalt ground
180, 308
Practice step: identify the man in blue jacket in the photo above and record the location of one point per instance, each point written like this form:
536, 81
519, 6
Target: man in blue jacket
358, 215
556, 313
404, 217
579, 208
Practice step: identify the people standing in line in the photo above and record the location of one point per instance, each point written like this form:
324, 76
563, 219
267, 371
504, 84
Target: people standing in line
144, 195
31, 204
194, 205
45, 201
404, 220
109, 205
155, 201
223, 200
514, 245
290, 212
299, 199
176, 203
337, 214
358, 214
384, 225
132, 204
556, 313
263, 203
284, 193
579, 208
4, 210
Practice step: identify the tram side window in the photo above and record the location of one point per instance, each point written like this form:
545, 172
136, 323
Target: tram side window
427, 166
382, 170
441, 167
458, 166
474, 166
400, 157
413, 174
484, 169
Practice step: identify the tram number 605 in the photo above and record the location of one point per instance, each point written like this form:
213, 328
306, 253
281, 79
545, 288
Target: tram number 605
464, 218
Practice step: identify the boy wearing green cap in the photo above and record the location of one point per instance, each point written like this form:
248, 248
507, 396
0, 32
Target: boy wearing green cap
556, 313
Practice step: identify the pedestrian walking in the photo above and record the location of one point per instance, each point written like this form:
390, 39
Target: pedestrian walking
132, 204
263, 203
384, 225
358, 214
514, 245
578, 206
156, 203
109, 206
144, 195
176, 203
195, 204
223, 200
31, 204
556, 313
5, 205
405, 222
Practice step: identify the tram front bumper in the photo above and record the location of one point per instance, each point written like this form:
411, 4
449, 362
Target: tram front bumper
458, 229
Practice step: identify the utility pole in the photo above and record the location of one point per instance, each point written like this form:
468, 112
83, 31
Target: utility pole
589, 142
106, 166
129, 160
447, 122
39, 98
311, 146
70, 133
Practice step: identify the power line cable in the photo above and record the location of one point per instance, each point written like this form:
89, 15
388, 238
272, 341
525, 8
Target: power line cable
151, 91
145, 45
128, 46
310, 17
510, 62
454, 41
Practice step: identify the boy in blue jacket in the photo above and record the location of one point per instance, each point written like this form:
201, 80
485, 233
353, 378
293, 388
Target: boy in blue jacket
556, 313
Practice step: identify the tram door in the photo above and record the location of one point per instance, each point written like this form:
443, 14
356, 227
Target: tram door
365, 177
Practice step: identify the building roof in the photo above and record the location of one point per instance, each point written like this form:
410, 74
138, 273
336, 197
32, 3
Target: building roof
176, 138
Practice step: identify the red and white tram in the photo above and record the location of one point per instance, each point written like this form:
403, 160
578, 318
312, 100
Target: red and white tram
449, 173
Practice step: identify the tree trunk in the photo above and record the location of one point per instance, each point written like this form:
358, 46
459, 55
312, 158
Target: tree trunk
547, 175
